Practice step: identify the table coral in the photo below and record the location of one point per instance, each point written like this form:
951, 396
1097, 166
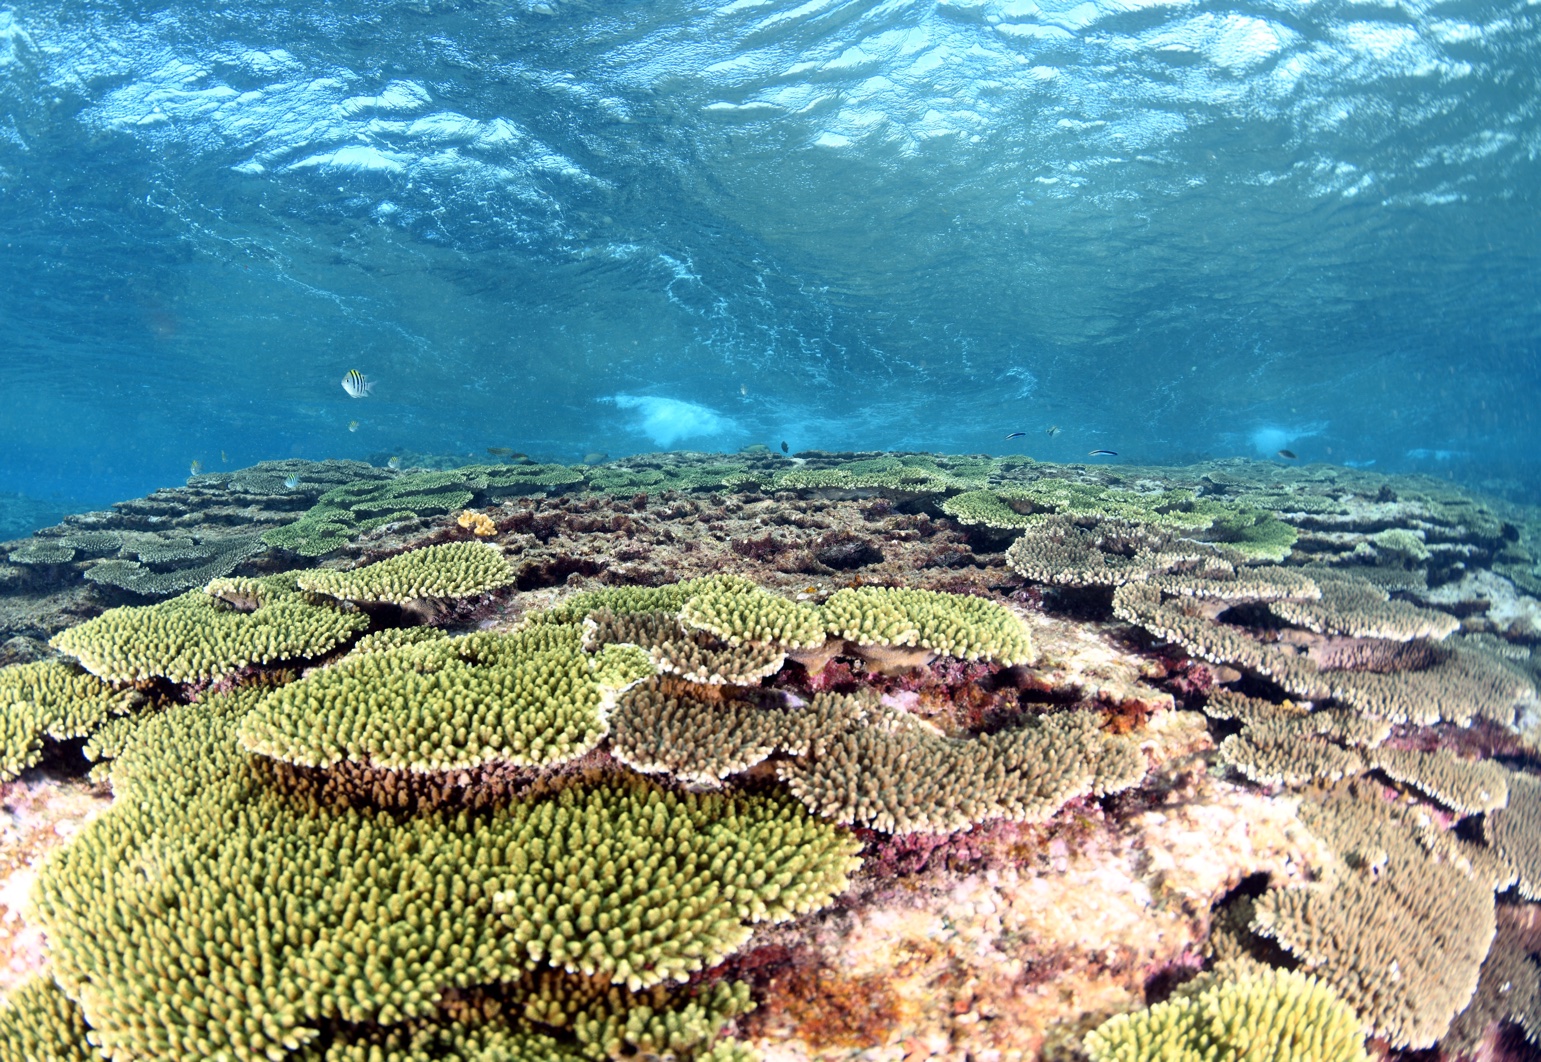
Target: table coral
533, 698
608, 878
433, 573
196, 637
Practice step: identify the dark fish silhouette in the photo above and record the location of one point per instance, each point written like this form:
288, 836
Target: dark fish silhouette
1103, 453
1016, 435
784, 447
1288, 455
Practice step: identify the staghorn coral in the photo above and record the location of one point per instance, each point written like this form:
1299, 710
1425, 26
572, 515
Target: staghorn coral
533, 698
433, 573
899, 776
39, 1023
52, 699
316, 915
1400, 930
196, 636
660, 728
1266, 1014
969, 628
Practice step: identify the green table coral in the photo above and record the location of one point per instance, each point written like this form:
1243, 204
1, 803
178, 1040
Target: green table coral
213, 912
1268, 1016
456, 569
196, 636
533, 698
970, 628
52, 699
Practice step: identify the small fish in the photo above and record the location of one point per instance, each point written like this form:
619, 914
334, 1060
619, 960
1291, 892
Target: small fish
393, 463
353, 425
222, 458
1103, 453
357, 384
292, 482
1288, 455
1051, 432
500, 451
784, 447
1016, 435
195, 468
595, 458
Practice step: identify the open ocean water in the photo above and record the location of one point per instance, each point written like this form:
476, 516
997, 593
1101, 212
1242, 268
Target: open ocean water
1193, 344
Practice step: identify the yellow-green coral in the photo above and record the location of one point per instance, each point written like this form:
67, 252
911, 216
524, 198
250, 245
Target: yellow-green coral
532, 698
970, 628
53, 699
213, 913
738, 611
39, 1023
1272, 1016
196, 637
456, 569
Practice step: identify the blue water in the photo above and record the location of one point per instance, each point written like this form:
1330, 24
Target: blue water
1174, 229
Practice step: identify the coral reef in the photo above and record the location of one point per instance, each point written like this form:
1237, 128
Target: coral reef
583, 758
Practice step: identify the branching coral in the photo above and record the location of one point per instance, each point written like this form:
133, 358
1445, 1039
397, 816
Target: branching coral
197, 636
1272, 1015
659, 727
51, 699
433, 573
39, 1023
533, 698
479, 524
969, 628
291, 917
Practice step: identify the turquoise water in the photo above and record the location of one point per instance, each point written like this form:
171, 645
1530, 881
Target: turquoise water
1173, 230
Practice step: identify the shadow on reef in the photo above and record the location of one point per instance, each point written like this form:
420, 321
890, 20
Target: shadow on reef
699, 755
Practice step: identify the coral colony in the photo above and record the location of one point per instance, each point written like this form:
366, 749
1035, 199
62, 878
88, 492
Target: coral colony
717, 758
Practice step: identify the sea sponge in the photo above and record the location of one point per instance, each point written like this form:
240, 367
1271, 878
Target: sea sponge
969, 628
50, 698
1273, 1015
197, 637
212, 913
433, 573
532, 698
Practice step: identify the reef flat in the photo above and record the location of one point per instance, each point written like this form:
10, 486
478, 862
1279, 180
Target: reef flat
822, 756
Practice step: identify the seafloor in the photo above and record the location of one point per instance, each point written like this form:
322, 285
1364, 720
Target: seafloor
1247, 716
